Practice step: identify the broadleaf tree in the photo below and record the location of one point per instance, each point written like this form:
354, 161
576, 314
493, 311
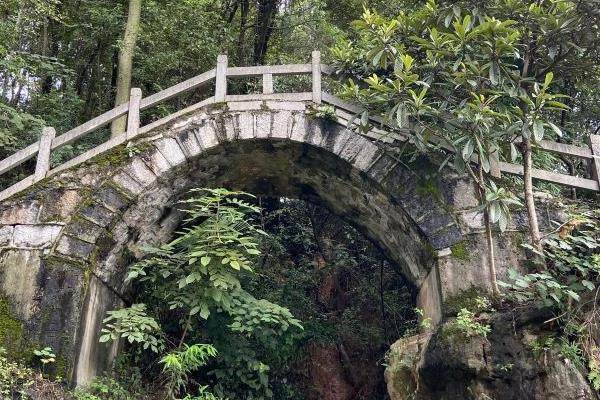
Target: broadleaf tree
474, 81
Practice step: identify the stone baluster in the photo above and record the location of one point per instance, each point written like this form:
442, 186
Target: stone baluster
316, 77
133, 118
221, 79
43, 159
267, 83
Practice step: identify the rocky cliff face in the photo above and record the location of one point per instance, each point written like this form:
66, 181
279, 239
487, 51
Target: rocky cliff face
515, 362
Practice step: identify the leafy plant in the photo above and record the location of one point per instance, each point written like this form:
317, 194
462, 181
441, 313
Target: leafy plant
571, 252
45, 355
467, 323
177, 365
197, 278
134, 325
15, 378
102, 388
424, 323
325, 112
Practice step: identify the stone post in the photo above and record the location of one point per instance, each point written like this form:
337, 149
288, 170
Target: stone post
221, 79
43, 159
267, 83
133, 118
316, 77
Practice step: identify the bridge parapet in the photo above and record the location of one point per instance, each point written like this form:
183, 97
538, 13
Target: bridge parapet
380, 130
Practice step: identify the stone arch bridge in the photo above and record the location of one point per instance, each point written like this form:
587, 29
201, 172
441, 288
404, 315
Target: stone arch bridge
68, 234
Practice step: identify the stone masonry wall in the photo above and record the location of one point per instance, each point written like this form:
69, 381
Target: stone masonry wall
65, 243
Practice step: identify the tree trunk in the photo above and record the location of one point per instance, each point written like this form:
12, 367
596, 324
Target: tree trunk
266, 10
488, 234
534, 228
125, 62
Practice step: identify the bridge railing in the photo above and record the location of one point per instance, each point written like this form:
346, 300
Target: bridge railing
345, 112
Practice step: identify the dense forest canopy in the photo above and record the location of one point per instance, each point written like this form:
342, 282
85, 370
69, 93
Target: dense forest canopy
210, 318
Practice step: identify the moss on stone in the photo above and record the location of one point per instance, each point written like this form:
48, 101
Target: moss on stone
460, 250
220, 106
463, 299
60, 368
11, 330
428, 188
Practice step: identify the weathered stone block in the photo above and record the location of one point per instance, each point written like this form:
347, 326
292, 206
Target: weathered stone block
98, 214
189, 144
337, 140
366, 156
171, 151
298, 130
139, 171
244, 105
19, 276
73, 247
472, 220
246, 125
6, 235
157, 163
351, 150
35, 236
315, 133
59, 204
263, 125
111, 198
429, 298
207, 135
445, 237
26, 212
435, 221
285, 105
381, 168
127, 184
229, 127
282, 125
85, 230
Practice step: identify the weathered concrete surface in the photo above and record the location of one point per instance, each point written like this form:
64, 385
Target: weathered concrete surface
92, 220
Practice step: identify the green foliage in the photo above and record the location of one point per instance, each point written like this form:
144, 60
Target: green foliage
424, 323
134, 325
15, 378
197, 278
177, 366
570, 280
470, 321
102, 388
470, 77
572, 255
467, 323
45, 355
340, 285
542, 345
325, 112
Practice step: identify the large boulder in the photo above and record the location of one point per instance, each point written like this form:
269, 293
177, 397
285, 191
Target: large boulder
517, 361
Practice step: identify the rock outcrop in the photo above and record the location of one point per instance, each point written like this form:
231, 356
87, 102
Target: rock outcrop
515, 362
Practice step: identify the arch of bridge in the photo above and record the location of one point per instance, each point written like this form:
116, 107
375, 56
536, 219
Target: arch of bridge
84, 226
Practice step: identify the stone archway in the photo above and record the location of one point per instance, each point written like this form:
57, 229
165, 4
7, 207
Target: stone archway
75, 233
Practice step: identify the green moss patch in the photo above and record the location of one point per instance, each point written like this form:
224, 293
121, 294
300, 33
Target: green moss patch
11, 330
460, 250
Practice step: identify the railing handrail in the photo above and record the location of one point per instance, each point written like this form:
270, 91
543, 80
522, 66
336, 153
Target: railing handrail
220, 74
